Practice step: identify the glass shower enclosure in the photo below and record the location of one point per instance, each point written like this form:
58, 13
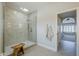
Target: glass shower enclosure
18, 28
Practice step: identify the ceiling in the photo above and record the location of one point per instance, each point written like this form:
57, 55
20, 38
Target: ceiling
34, 6
31, 6
68, 14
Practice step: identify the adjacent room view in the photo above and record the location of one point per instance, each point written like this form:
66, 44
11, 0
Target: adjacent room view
39, 29
67, 32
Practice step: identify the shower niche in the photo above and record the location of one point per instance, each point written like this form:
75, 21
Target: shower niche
67, 32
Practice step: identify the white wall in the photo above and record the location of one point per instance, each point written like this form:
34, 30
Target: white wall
16, 29
1, 28
48, 15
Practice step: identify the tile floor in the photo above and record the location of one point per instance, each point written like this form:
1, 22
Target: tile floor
40, 51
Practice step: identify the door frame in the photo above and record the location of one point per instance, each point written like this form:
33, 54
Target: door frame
59, 29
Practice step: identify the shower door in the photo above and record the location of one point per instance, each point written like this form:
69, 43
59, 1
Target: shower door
32, 27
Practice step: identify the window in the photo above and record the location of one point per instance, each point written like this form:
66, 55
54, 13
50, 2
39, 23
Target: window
68, 25
68, 28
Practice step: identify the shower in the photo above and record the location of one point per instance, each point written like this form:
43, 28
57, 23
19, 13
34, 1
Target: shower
18, 28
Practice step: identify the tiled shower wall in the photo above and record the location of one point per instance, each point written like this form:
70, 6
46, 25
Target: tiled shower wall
1, 28
16, 29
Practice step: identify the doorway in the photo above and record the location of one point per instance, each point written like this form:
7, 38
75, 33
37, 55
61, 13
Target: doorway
67, 33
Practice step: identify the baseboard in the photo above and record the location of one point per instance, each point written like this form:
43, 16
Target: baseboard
42, 45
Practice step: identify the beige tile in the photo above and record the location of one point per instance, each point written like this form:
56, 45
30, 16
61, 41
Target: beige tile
40, 51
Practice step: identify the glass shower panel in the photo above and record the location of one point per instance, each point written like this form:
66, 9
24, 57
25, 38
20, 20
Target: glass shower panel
32, 26
15, 29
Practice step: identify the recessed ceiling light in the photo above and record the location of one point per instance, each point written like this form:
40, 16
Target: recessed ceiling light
24, 9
